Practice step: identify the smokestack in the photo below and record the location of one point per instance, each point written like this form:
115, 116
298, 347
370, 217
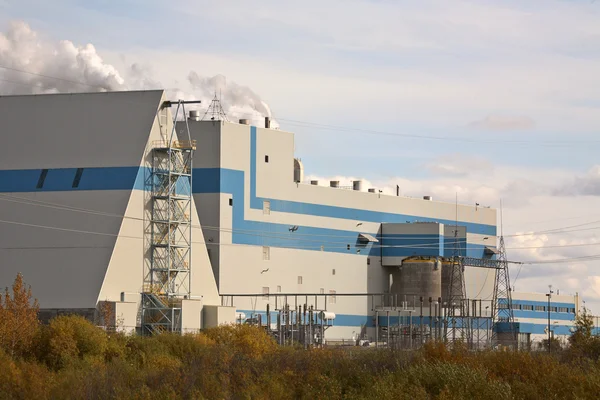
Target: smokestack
267, 122
397, 190
195, 115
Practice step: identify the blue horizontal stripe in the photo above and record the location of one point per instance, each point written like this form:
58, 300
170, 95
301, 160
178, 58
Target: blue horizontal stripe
543, 315
543, 303
61, 179
340, 319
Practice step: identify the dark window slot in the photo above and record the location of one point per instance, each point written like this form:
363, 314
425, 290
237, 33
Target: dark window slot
42, 178
77, 178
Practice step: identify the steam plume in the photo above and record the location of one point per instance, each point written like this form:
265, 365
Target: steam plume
63, 66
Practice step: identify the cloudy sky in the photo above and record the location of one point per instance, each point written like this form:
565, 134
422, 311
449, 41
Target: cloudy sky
484, 99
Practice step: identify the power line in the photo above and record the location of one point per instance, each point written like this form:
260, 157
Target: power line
51, 77
314, 125
294, 237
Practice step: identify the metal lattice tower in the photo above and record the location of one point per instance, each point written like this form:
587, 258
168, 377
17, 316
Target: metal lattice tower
215, 111
168, 280
457, 328
502, 311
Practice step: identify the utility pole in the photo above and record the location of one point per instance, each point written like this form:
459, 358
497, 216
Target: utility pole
549, 295
502, 303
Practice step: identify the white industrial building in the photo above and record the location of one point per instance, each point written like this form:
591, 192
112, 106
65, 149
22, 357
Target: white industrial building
87, 217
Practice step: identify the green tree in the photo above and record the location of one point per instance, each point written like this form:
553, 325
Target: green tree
582, 334
19, 322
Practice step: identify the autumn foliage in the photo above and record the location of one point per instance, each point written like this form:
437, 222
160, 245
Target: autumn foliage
71, 358
18, 318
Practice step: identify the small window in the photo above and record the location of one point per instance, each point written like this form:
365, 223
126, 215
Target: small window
502, 305
265, 291
563, 309
230, 202
42, 178
516, 306
572, 310
332, 298
540, 308
333, 271
527, 307
266, 207
77, 178
278, 289
266, 253
368, 261
266, 159
299, 280
553, 309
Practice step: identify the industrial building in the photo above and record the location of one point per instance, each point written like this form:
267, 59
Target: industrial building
186, 226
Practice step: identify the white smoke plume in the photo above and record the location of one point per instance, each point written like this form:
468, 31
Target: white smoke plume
32, 65
238, 101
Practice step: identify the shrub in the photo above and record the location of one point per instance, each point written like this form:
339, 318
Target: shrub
70, 338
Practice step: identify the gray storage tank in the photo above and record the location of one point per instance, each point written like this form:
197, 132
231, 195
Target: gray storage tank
446, 280
416, 277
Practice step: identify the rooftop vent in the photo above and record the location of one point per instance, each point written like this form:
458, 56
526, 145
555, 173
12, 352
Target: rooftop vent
428, 198
357, 185
334, 184
267, 122
194, 115
315, 183
372, 190
298, 171
244, 121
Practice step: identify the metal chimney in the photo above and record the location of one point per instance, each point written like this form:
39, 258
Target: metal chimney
267, 122
194, 115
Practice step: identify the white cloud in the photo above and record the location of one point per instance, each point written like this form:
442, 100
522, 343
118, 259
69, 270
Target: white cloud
586, 185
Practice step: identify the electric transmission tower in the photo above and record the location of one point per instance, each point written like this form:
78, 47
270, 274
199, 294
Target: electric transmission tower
457, 328
215, 110
503, 329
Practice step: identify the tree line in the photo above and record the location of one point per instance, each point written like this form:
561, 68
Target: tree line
71, 358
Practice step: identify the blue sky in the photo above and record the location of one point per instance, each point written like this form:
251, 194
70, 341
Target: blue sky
518, 82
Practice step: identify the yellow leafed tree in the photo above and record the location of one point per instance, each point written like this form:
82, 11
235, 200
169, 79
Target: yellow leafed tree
18, 318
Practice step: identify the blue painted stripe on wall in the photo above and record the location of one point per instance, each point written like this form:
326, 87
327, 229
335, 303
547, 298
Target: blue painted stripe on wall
538, 329
352, 320
340, 319
543, 303
543, 315
61, 179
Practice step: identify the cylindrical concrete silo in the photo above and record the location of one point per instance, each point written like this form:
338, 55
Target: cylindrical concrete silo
446, 281
418, 276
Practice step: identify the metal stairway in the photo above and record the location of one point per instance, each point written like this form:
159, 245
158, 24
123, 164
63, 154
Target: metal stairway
167, 282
